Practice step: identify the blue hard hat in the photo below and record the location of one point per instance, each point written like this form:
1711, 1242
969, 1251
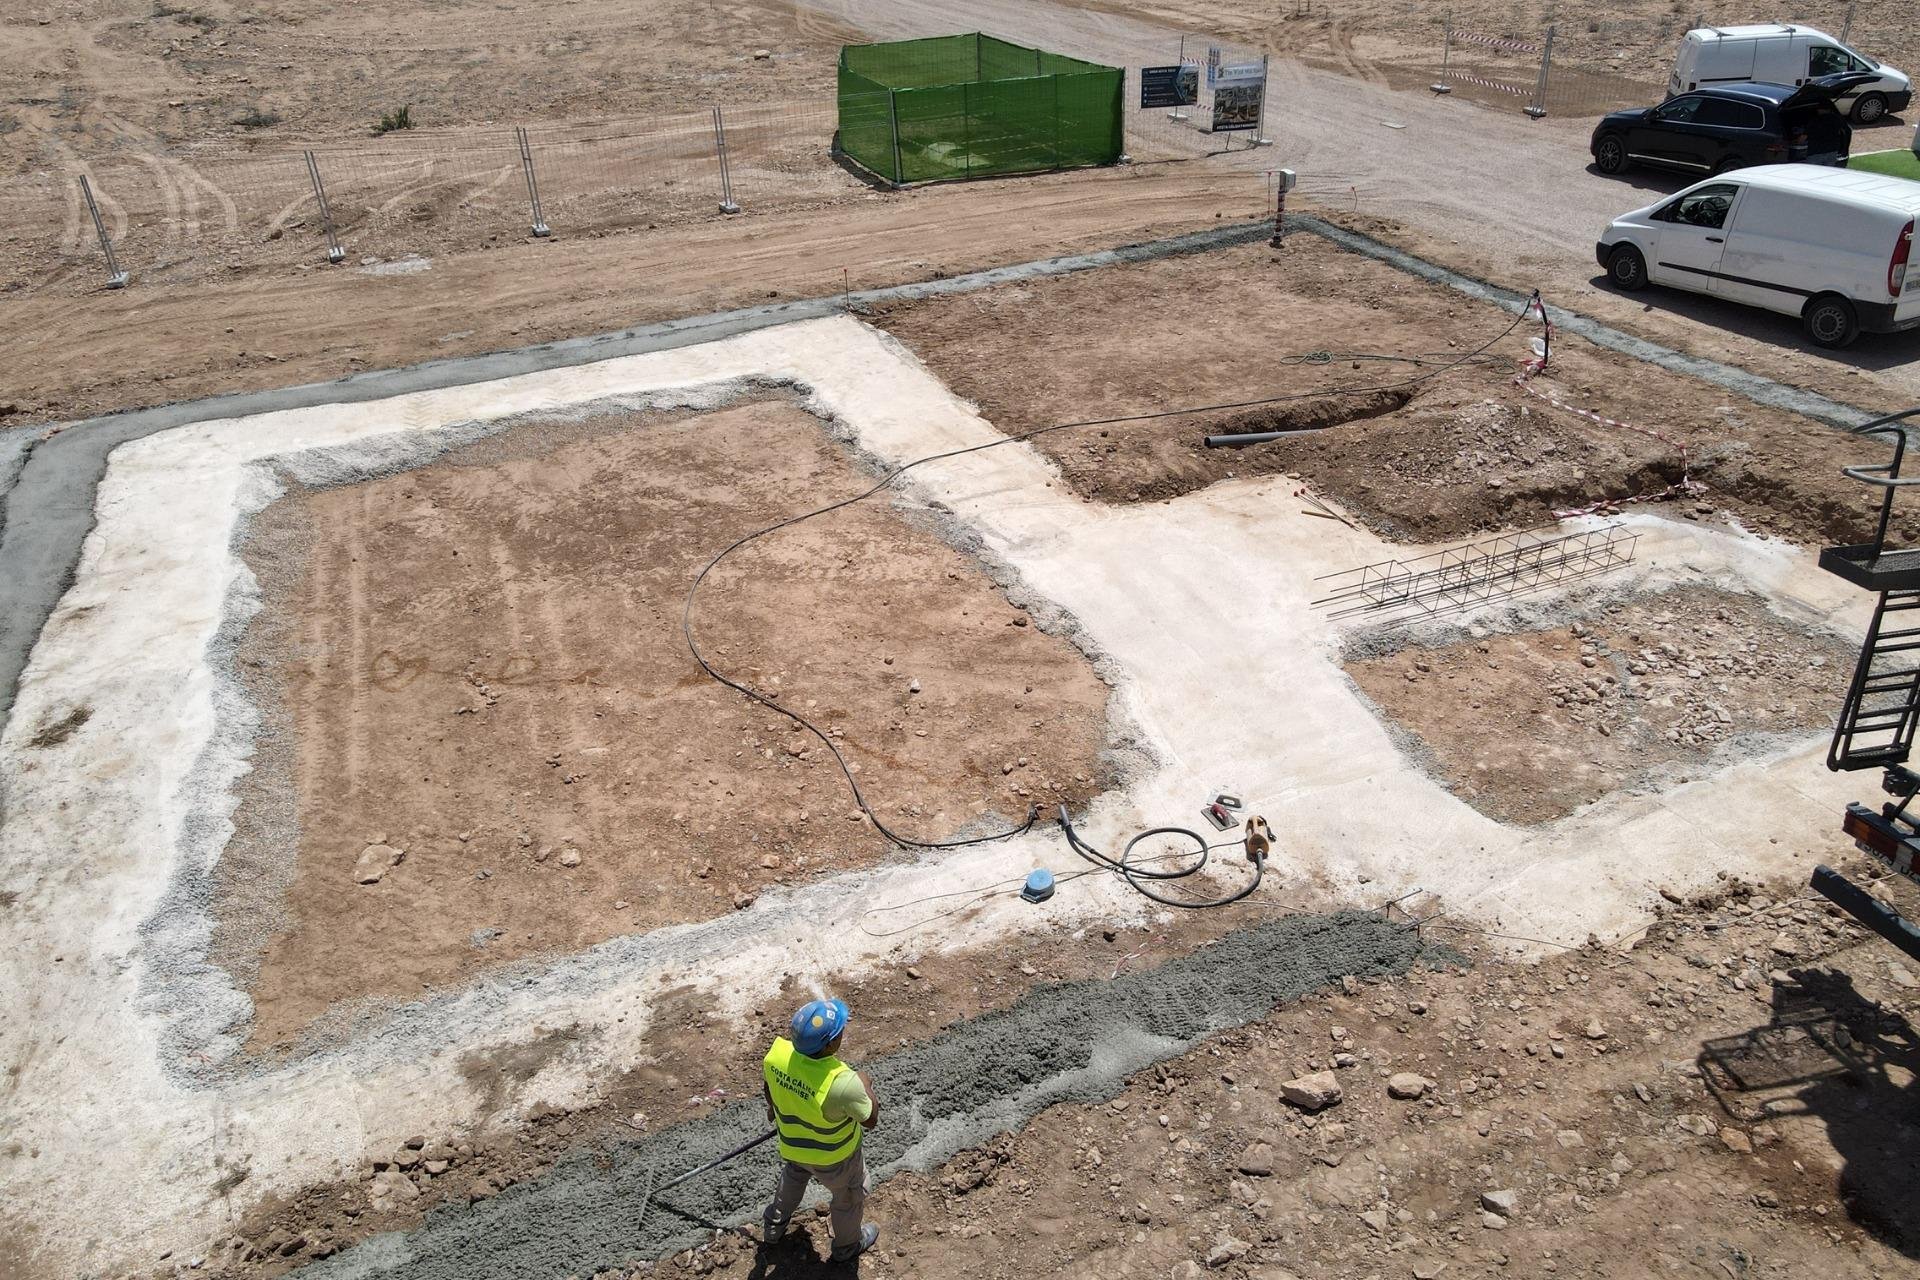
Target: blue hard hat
817, 1023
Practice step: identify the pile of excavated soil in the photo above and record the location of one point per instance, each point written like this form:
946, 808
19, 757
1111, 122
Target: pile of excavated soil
1528, 726
475, 669
1418, 459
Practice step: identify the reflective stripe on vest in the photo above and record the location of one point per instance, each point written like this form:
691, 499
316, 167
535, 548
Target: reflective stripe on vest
798, 1086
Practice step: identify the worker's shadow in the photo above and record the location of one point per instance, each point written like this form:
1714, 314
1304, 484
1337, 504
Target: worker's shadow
1830, 1054
798, 1256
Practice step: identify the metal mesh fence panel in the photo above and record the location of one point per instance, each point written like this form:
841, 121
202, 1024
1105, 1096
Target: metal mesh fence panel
1005, 109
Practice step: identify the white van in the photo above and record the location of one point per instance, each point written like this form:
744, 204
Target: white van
1831, 246
1774, 53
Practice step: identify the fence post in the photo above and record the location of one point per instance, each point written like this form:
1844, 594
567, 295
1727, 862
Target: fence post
726, 173
1446, 53
335, 254
893, 118
1539, 107
540, 227
1055, 79
1846, 27
116, 278
1260, 138
966, 118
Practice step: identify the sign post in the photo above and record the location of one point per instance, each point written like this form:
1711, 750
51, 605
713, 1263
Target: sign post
1260, 138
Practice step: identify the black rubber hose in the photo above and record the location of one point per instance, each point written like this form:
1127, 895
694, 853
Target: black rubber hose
1135, 875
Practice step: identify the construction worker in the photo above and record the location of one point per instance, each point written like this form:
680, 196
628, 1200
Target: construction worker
822, 1108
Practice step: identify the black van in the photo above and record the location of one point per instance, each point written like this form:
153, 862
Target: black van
1731, 126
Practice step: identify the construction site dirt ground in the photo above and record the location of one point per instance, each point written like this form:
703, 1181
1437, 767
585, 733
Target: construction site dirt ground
529, 735
604, 881
1418, 450
1735, 1088
1528, 726
420, 664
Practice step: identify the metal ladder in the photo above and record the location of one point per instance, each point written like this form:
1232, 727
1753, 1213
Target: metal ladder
1883, 703
1882, 708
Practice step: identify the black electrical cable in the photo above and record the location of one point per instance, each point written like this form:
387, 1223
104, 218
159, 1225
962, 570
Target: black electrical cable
1033, 812
1135, 874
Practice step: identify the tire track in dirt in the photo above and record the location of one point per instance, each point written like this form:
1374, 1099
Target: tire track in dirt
359, 718
319, 644
1340, 41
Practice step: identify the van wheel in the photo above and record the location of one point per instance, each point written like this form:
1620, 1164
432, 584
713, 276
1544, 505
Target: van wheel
1831, 321
1610, 156
1627, 268
1729, 164
1869, 108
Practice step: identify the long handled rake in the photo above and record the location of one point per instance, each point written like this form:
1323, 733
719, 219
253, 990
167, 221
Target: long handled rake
646, 1200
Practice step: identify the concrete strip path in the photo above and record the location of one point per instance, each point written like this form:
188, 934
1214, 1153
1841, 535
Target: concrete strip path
125, 1037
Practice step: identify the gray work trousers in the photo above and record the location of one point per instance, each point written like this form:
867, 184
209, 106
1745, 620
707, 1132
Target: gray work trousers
846, 1182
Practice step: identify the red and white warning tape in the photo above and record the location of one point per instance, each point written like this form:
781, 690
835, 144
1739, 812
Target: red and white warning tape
1685, 486
1517, 91
1492, 42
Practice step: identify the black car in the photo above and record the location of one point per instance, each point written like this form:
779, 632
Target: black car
1731, 126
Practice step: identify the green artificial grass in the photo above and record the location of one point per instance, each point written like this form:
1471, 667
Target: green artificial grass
1901, 164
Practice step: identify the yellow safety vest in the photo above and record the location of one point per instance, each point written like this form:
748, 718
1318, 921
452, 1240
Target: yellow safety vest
798, 1086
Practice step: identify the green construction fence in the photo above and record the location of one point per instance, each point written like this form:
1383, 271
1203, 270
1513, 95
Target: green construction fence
973, 106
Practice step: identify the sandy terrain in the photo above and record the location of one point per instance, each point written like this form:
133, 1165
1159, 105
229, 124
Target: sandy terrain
103, 74
479, 664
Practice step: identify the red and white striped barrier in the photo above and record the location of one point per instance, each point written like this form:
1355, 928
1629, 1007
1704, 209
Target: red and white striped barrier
1685, 486
1493, 42
1514, 89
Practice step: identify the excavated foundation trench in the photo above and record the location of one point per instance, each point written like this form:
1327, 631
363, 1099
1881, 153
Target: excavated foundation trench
1074, 1042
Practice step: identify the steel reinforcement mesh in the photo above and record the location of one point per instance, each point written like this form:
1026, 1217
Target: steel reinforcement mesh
973, 106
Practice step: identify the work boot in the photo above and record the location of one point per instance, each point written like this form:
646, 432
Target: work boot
772, 1229
848, 1252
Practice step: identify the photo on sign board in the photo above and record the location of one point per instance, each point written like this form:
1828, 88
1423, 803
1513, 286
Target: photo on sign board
1237, 107
1169, 86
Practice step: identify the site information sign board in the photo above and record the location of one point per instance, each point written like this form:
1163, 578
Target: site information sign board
1169, 86
1238, 90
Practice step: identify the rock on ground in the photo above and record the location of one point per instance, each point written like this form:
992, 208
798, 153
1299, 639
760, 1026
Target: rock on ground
1315, 1092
